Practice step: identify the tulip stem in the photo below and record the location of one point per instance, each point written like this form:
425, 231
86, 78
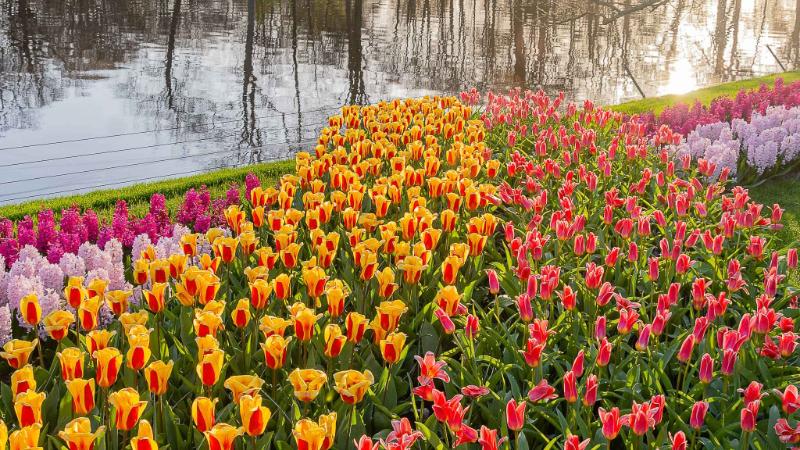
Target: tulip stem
41, 352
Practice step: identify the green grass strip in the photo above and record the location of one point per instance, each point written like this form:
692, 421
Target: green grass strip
704, 95
138, 195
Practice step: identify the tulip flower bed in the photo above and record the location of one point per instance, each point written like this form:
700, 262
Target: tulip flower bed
425, 268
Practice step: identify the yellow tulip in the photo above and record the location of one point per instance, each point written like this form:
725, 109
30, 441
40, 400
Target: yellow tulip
352, 385
30, 309
203, 413
57, 324
17, 352
243, 384
127, 408
22, 380
82, 393
307, 383
275, 350
78, 434
157, 375
222, 436
28, 407
71, 360
254, 416
392, 347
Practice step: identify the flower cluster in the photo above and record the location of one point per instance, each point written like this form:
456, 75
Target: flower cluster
530, 274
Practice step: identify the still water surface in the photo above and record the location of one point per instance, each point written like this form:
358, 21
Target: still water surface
192, 85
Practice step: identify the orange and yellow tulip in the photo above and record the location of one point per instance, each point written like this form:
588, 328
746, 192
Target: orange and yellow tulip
26, 438
304, 321
275, 350
22, 380
307, 383
109, 362
282, 286
157, 375
82, 393
144, 439
225, 248
88, 313
207, 323
78, 434
335, 294
98, 340
386, 284
117, 301
412, 267
355, 325
139, 347
189, 244
141, 273
30, 309
243, 384
159, 271
389, 313
315, 279
241, 314
127, 408
270, 325
334, 340
392, 347
260, 290
57, 324
203, 413
450, 267
448, 299
130, 320
254, 416
352, 385
17, 352
71, 360
75, 292
28, 408
210, 366
222, 436
309, 435
155, 298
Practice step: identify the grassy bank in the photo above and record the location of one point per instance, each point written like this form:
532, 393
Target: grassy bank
784, 191
705, 95
138, 195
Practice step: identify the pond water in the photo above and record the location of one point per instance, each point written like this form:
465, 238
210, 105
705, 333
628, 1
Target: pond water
99, 94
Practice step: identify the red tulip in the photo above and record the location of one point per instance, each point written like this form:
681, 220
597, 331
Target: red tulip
685, 352
787, 434
542, 391
488, 439
570, 387
465, 435
475, 391
525, 308
611, 422
706, 372
678, 440
640, 419
515, 414
752, 392
698, 415
577, 364
430, 369
600, 327
790, 399
604, 352
590, 394
494, 282
472, 327
657, 403
365, 443
644, 337
749, 415
574, 443
791, 258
